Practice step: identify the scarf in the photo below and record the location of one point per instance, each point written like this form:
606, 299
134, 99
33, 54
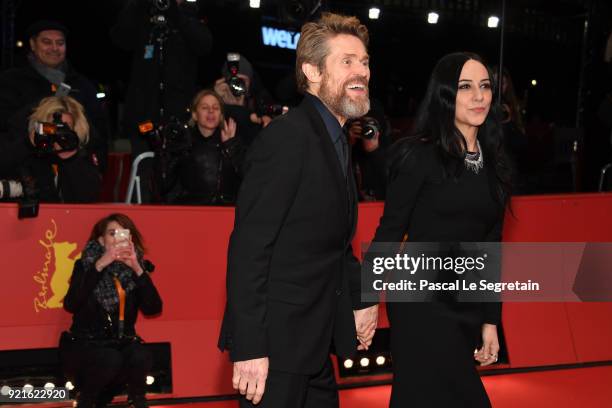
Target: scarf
54, 75
105, 291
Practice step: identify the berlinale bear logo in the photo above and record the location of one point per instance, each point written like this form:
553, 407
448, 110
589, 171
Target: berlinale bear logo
55, 274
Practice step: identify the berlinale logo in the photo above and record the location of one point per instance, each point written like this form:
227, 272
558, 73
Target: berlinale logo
55, 274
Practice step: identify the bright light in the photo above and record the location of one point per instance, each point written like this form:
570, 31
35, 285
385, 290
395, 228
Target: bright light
534, 82
493, 22
69, 386
364, 362
19, 44
49, 386
254, 3
380, 360
150, 379
348, 363
5, 390
191, 1
28, 387
100, 95
374, 13
432, 18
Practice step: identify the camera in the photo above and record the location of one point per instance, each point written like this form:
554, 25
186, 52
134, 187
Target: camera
272, 110
23, 188
172, 137
237, 85
46, 135
369, 126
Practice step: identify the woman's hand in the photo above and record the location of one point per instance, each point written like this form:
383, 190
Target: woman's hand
488, 354
111, 254
128, 257
228, 131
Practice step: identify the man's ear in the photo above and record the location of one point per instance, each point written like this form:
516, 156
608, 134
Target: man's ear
312, 72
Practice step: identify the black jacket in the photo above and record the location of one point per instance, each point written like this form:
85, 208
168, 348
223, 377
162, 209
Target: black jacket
21, 89
292, 279
208, 174
187, 39
90, 319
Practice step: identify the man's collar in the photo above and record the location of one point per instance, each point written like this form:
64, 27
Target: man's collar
331, 122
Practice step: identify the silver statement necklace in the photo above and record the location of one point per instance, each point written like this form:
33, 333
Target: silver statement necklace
474, 161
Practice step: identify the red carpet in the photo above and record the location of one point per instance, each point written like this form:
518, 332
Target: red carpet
575, 388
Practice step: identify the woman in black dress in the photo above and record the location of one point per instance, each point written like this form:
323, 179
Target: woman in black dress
448, 183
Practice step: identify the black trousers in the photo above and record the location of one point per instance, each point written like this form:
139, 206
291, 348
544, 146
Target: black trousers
432, 346
101, 371
285, 390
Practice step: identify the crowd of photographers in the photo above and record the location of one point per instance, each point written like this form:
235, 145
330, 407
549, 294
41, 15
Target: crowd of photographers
54, 132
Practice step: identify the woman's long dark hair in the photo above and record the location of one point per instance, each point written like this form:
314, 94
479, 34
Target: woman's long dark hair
126, 222
435, 124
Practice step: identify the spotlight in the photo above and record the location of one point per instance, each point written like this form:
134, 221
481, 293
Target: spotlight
150, 379
254, 3
432, 18
493, 22
364, 362
5, 390
380, 360
100, 95
374, 13
28, 387
192, 1
49, 386
348, 363
19, 44
69, 386
534, 82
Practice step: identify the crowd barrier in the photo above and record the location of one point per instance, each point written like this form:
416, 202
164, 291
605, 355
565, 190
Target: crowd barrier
188, 246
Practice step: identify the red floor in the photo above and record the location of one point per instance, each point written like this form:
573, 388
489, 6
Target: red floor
575, 388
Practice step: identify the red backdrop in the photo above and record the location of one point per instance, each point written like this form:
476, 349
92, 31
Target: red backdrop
188, 246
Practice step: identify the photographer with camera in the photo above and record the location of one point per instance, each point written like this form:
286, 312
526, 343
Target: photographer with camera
245, 99
208, 172
110, 284
166, 39
48, 73
52, 162
369, 138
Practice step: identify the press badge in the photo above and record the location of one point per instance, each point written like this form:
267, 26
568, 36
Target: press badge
148, 51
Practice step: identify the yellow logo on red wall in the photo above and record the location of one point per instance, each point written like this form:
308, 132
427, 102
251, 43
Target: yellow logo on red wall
54, 277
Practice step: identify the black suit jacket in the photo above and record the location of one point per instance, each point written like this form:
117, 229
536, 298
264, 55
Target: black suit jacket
292, 279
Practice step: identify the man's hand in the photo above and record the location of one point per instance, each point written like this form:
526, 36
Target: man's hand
250, 378
369, 145
365, 323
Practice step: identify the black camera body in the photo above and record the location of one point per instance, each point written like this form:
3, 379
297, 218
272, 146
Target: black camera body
237, 85
172, 137
46, 135
369, 126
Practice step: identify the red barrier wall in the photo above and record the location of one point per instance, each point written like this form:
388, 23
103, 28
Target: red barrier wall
188, 246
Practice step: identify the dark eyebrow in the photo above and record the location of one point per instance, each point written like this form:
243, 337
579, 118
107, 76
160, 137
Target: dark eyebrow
355, 55
469, 80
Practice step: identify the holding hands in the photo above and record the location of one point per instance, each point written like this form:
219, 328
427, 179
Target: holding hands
366, 321
488, 353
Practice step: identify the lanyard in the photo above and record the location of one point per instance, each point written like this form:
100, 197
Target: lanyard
121, 294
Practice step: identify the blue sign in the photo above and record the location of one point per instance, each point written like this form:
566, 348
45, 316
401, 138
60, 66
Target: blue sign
274, 37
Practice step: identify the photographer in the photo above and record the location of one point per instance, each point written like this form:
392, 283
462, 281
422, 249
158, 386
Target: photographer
209, 172
48, 73
166, 39
369, 138
51, 163
244, 98
109, 285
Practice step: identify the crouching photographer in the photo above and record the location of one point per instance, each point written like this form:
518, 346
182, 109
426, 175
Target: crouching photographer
51, 163
202, 166
110, 284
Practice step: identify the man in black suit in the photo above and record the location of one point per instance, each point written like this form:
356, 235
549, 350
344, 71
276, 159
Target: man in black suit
293, 284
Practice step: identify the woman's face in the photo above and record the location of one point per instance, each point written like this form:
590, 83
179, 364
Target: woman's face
108, 239
208, 113
473, 95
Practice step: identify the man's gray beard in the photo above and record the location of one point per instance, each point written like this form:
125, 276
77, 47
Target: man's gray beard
342, 104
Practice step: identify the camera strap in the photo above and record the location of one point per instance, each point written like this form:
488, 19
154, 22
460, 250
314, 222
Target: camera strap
121, 295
